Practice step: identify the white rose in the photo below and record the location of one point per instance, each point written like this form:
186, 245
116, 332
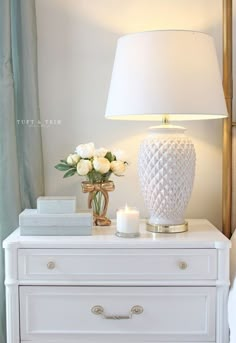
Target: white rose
85, 150
84, 167
101, 165
72, 159
120, 155
100, 152
118, 167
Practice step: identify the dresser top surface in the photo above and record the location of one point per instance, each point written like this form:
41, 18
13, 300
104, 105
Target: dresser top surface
201, 234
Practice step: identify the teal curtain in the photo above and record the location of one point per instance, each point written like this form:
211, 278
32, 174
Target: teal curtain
21, 162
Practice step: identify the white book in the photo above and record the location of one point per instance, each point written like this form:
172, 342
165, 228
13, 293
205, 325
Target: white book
56, 204
31, 217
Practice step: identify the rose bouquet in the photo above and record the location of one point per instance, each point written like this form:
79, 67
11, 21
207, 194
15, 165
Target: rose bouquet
97, 165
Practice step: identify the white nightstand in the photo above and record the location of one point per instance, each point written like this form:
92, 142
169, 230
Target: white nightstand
82, 289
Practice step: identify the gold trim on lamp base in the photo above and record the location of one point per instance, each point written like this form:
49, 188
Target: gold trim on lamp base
157, 228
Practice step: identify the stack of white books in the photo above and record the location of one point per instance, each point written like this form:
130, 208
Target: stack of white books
56, 216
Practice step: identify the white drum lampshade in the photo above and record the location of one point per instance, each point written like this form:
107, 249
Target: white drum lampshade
166, 75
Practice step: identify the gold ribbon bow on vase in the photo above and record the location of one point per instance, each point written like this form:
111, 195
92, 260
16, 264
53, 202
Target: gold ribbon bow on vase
98, 200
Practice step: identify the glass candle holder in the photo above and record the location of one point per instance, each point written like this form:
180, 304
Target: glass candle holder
127, 222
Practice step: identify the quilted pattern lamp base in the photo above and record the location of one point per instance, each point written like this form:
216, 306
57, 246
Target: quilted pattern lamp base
166, 171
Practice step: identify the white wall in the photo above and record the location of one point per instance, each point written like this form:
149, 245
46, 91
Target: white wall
76, 47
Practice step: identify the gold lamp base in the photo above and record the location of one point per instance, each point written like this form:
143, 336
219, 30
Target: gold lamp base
156, 228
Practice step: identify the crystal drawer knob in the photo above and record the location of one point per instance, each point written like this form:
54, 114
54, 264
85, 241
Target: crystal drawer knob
183, 265
51, 265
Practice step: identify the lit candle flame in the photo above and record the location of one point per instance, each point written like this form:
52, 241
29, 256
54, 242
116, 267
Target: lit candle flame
126, 208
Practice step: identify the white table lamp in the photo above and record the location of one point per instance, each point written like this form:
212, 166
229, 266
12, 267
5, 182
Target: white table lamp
166, 75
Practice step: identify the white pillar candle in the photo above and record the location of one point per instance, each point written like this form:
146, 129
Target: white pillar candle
127, 220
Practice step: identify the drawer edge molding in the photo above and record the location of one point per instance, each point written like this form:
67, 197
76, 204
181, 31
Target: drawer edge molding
138, 264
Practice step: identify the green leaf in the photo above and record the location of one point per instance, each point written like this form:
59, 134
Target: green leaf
110, 156
62, 167
63, 161
70, 172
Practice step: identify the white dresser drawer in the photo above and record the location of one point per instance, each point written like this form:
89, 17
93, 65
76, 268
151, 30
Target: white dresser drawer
117, 264
170, 314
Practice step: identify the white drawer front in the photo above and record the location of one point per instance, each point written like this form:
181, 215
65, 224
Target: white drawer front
170, 314
117, 264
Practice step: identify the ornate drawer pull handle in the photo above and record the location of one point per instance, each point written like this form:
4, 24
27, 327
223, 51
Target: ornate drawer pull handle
99, 310
51, 265
183, 265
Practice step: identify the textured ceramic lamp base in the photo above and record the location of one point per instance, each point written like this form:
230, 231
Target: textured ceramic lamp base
166, 171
